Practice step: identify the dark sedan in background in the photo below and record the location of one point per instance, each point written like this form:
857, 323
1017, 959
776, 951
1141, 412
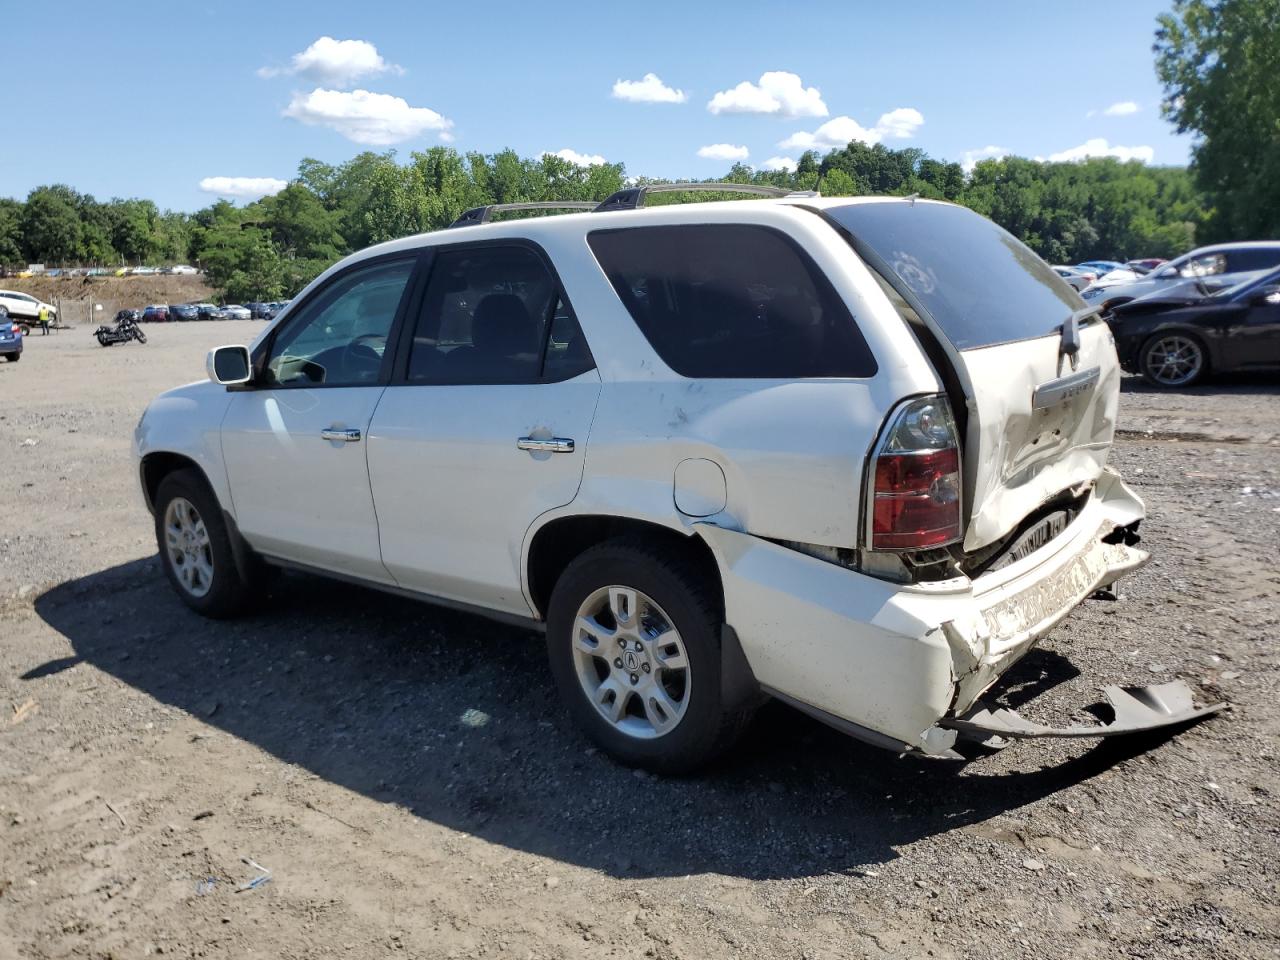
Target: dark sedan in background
183, 311
1177, 336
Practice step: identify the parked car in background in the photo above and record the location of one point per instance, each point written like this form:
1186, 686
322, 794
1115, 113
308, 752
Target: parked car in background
10, 337
1100, 267
738, 473
183, 270
183, 311
1219, 266
234, 311
1145, 266
273, 309
1077, 278
25, 308
209, 311
258, 309
1175, 337
155, 313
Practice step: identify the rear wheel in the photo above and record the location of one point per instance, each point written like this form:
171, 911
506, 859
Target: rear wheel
633, 642
13, 357
1173, 360
195, 548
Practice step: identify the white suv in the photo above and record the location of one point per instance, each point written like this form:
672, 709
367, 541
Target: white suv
720, 451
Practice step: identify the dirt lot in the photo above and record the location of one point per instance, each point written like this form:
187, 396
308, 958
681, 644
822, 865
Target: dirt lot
409, 779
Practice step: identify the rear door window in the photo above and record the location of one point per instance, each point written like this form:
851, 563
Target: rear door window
495, 314
732, 300
1257, 258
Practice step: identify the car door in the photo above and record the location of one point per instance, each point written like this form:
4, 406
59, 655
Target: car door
485, 426
294, 440
1253, 335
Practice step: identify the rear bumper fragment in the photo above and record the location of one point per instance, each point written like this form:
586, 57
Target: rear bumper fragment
1137, 709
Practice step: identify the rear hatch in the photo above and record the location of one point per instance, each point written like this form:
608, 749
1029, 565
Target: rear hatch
1038, 416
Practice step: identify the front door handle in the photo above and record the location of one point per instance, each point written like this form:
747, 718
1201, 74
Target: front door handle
350, 435
554, 445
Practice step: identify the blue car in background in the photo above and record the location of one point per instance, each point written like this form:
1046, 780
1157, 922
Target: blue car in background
10, 338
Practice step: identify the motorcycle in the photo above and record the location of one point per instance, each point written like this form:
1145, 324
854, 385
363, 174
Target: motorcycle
125, 329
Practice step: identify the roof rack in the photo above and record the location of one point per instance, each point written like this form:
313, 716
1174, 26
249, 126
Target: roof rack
483, 214
633, 197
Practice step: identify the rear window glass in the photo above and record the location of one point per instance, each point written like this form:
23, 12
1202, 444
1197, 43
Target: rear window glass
977, 281
732, 300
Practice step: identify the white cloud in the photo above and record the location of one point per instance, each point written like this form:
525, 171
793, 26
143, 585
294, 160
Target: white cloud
363, 117
779, 163
335, 63
243, 188
836, 132
573, 156
970, 158
778, 93
1098, 147
1122, 109
899, 124
723, 151
650, 89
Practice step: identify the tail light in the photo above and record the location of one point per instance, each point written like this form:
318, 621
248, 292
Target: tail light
915, 489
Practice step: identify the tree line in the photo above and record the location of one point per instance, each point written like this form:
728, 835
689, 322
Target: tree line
270, 248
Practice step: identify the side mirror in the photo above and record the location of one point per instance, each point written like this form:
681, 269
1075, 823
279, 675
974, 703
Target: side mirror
229, 365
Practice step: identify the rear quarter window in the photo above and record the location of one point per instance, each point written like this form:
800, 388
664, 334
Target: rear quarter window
732, 300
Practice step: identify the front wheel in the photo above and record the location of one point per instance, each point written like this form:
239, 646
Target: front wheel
633, 639
139, 336
195, 548
13, 357
1173, 360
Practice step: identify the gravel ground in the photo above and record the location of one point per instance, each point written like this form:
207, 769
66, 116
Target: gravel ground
409, 779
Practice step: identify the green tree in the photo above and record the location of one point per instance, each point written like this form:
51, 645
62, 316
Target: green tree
10, 232
51, 225
1219, 62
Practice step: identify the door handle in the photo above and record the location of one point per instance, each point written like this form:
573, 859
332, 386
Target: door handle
554, 445
350, 435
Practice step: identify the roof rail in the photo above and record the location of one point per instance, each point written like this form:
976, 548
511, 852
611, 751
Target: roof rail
482, 214
633, 197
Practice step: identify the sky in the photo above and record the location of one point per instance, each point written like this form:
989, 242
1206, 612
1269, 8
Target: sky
185, 102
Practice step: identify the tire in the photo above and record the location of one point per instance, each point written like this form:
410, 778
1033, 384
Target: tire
201, 567
1173, 360
139, 336
678, 595
13, 357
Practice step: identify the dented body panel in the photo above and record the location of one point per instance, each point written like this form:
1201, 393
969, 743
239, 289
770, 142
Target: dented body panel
898, 658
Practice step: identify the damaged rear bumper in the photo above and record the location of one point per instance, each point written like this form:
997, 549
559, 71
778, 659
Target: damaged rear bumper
896, 664
1136, 710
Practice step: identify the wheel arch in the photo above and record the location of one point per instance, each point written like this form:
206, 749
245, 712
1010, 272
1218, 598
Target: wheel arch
555, 544
155, 466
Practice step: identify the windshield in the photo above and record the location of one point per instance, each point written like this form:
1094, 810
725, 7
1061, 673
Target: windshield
979, 283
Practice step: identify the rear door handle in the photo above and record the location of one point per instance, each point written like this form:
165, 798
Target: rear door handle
350, 435
554, 445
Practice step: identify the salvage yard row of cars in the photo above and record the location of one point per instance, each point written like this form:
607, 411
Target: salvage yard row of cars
164, 313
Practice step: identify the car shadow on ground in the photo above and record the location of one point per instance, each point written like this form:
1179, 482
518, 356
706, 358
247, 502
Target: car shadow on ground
456, 719
1214, 385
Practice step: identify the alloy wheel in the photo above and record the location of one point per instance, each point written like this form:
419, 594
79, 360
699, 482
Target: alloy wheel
631, 662
1174, 361
187, 542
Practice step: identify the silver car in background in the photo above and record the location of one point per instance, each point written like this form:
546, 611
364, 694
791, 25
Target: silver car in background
1219, 266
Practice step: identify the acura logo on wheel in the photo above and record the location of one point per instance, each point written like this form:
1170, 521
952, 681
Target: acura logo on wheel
631, 660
